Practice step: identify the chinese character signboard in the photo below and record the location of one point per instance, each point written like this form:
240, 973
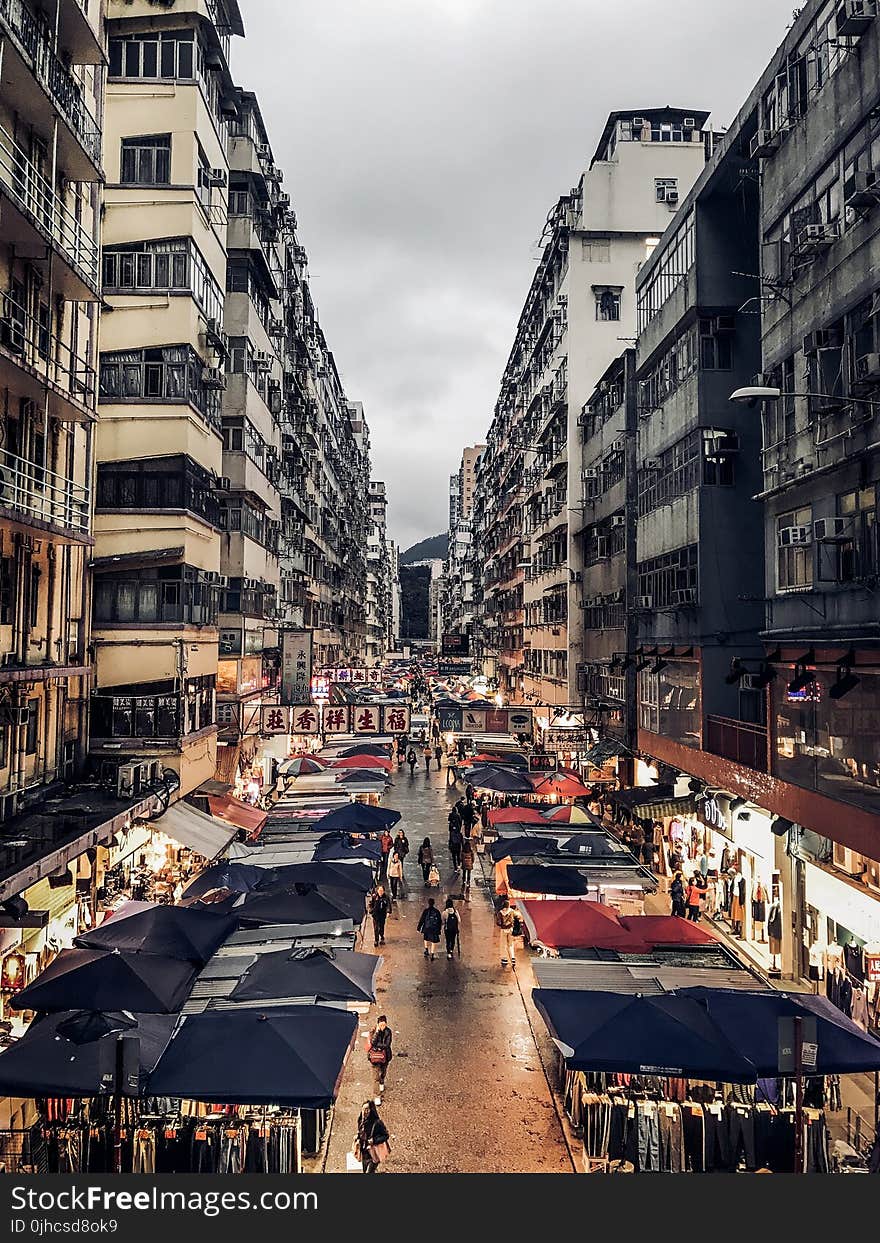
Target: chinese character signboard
337, 719
395, 720
374, 676
305, 720
358, 675
366, 720
296, 667
872, 968
455, 644
542, 763
275, 719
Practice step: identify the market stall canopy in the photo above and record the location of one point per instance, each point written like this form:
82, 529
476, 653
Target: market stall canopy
363, 759
236, 877
363, 776
366, 748
560, 785
98, 979
670, 1034
594, 845
667, 930
510, 847
358, 817
45, 1062
284, 904
300, 766
498, 780
174, 931
567, 882
241, 815
574, 924
507, 759
193, 829
516, 815
568, 814
327, 975
651, 802
292, 1057
357, 876
328, 852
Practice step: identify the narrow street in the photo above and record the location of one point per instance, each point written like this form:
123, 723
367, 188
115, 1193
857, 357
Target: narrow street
466, 1091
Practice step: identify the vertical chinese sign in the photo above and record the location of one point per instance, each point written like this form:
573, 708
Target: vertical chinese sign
296, 667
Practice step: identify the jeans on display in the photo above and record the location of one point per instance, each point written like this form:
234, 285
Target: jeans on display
741, 1135
645, 1140
693, 1126
671, 1141
618, 1130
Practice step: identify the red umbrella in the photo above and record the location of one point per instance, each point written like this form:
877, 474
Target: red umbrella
667, 930
363, 761
516, 815
562, 787
574, 923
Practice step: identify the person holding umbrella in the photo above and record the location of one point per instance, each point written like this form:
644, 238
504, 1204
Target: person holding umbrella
451, 928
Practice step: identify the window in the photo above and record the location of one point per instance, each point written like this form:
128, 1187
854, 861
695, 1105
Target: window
666, 189
670, 267
779, 416
168, 595
7, 590
172, 265
169, 373
857, 555
162, 54
146, 161
165, 483
716, 351
607, 302
794, 559
34, 598
33, 722
671, 580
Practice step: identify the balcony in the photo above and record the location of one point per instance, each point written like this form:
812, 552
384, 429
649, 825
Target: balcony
31, 496
44, 362
738, 741
41, 209
63, 90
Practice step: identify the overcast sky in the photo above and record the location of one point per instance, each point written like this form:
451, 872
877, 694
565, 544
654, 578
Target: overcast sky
423, 142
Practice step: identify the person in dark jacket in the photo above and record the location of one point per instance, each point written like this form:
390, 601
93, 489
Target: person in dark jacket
429, 925
438, 755
426, 858
380, 1042
467, 866
411, 760
401, 844
372, 1138
469, 817
451, 927
380, 909
676, 893
455, 844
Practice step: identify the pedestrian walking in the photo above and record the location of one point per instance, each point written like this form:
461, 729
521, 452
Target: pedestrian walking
438, 756
401, 845
461, 749
508, 920
467, 866
451, 928
429, 925
469, 793
692, 897
379, 908
455, 844
371, 1146
401, 752
379, 1050
427, 757
468, 813
426, 858
395, 874
677, 895
411, 760
386, 841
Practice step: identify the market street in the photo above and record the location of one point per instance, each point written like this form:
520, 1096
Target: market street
463, 1042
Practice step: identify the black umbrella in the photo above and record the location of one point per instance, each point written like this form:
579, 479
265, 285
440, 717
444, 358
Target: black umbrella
189, 934
328, 975
595, 844
109, 980
511, 847
238, 877
358, 816
45, 1063
329, 852
500, 780
561, 881
284, 905
363, 776
366, 748
292, 1056
337, 875
83, 1026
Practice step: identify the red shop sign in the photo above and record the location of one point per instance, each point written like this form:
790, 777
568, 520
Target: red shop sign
872, 968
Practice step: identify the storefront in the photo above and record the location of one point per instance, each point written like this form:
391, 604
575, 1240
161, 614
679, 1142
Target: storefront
841, 934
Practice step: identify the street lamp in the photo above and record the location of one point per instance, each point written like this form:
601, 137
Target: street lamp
753, 393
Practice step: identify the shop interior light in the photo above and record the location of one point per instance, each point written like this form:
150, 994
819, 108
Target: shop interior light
801, 680
737, 672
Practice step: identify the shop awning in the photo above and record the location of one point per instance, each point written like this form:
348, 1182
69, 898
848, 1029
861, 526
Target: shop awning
226, 768
238, 814
654, 802
602, 751
191, 828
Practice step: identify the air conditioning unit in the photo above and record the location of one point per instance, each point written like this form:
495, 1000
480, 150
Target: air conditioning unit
832, 530
651, 463
216, 177
275, 327
262, 360
618, 520
214, 377
719, 444
283, 202
222, 581
867, 367
157, 771
223, 484
638, 120
862, 190
214, 328
853, 17
815, 237
646, 602
764, 144
128, 780
789, 536
146, 774
671, 197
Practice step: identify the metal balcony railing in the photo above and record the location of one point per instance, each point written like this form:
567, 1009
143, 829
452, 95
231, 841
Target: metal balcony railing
38, 348
35, 196
739, 741
34, 492
58, 82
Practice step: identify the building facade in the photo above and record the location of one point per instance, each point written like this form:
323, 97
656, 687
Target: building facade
457, 597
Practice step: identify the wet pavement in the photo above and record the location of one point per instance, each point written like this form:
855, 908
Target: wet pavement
467, 1090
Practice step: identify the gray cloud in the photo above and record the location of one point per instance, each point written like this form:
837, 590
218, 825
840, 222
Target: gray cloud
423, 142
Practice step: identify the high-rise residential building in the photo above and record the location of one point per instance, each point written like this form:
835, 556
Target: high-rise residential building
378, 599
457, 592
534, 528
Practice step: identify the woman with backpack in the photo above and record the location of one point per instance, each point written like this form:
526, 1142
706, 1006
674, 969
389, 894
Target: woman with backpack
451, 927
426, 859
429, 925
509, 921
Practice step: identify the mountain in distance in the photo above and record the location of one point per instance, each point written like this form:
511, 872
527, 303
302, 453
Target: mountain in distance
431, 549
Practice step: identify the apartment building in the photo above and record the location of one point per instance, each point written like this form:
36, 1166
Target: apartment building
378, 597
536, 534
457, 602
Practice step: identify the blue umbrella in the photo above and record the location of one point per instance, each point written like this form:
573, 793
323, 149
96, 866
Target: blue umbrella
178, 932
358, 817
328, 975
238, 877
292, 1056
510, 847
564, 882
331, 852
499, 780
